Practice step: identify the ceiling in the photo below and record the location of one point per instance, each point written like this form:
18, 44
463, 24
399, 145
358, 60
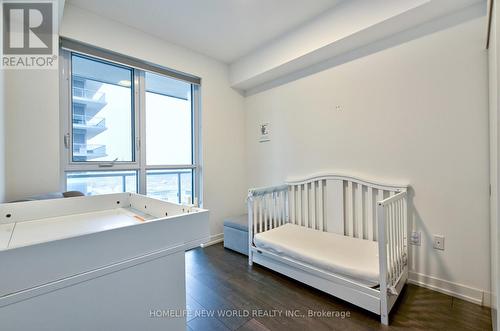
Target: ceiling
223, 29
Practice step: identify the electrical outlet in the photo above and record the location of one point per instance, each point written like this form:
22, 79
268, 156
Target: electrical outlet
439, 242
415, 238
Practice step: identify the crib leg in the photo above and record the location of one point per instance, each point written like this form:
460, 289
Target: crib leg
384, 314
384, 319
250, 262
384, 311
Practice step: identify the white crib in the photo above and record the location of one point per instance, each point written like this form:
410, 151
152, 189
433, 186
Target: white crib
344, 205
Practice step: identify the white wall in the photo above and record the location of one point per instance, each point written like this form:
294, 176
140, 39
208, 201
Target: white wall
493, 67
2, 138
33, 115
32, 132
415, 113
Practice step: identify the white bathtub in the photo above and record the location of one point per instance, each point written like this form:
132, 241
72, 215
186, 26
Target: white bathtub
103, 262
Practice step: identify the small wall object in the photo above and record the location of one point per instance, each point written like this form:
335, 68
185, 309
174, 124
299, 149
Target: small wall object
265, 133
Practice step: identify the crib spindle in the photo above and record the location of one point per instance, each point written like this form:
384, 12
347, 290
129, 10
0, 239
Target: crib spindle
389, 241
401, 236
299, 204
272, 206
394, 238
369, 213
261, 201
272, 211
321, 218
358, 229
312, 205
397, 233
349, 210
268, 211
306, 205
276, 209
284, 207
264, 213
256, 214
380, 197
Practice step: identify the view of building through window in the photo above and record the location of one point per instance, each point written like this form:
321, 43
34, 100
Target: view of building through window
102, 113
103, 129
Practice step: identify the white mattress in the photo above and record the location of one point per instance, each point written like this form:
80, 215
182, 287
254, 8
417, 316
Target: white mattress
352, 258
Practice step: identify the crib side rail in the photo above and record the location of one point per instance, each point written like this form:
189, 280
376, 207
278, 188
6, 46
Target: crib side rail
392, 242
267, 208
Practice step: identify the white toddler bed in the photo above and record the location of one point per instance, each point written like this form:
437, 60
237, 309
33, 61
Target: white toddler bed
340, 234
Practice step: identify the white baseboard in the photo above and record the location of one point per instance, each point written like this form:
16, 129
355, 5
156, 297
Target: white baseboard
474, 295
487, 299
215, 239
195, 243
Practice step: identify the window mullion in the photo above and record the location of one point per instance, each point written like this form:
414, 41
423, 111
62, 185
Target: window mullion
173, 167
141, 111
197, 147
65, 111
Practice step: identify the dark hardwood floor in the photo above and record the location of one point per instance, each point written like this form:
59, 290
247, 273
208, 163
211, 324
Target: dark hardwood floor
224, 293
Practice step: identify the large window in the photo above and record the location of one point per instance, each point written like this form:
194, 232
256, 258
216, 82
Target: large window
127, 129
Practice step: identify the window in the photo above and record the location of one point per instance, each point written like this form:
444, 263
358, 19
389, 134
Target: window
102, 112
168, 121
129, 129
171, 185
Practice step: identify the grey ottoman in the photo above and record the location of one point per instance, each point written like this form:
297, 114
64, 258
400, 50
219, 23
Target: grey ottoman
236, 234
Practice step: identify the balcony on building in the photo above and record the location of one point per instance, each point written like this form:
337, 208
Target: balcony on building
91, 99
87, 152
91, 125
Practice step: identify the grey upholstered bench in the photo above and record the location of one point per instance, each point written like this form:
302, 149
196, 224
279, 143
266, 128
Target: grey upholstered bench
236, 234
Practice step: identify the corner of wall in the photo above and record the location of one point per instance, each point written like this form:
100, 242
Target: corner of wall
2, 138
493, 71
